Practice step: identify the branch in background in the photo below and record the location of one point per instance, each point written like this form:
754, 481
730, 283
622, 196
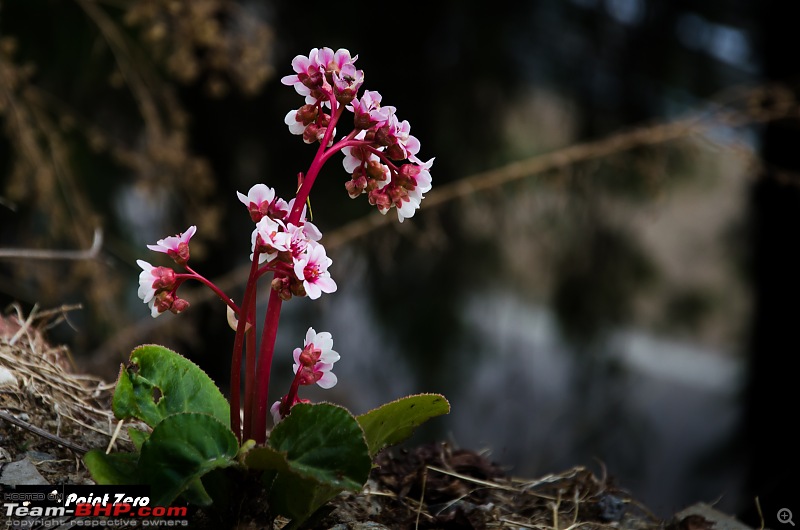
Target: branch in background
29, 253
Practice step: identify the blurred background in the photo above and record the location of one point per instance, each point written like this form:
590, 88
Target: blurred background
605, 273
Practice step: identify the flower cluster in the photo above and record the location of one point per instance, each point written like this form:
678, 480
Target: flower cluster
379, 143
286, 247
380, 157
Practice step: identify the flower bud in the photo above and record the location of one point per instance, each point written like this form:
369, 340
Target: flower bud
356, 185
309, 356
319, 94
379, 198
163, 301
311, 133
164, 278
396, 194
307, 114
312, 78
345, 96
377, 171
395, 152
361, 120
297, 288
181, 255
179, 305
282, 287
383, 136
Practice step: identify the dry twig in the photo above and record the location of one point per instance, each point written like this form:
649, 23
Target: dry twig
47, 254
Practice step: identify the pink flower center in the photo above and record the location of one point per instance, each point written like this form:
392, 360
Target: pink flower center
311, 272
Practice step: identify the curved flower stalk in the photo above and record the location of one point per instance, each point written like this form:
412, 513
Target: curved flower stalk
380, 158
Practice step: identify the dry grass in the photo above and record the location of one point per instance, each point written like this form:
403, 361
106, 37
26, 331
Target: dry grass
47, 411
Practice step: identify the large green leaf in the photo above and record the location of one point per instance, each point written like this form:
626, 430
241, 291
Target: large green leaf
158, 382
180, 450
317, 451
393, 422
324, 441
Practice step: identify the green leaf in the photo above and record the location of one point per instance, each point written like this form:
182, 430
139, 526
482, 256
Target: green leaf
298, 498
324, 441
195, 493
157, 382
112, 469
292, 494
317, 451
137, 437
180, 450
266, 459
393, 422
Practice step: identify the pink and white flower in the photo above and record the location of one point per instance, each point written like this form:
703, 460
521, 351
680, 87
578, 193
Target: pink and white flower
396, 136
315, 360
271, 239
368, 111
296, 126
147, 280
258, 195
407, 142
311, 268
347, 82
176, 247
153, 280
307, 75
334, 62
299, 237
414, 179
260, 201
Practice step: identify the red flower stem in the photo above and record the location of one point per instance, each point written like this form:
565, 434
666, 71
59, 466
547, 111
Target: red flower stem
236, 357
250, 372
200, 278
313, 170
349, 142
270, 331
268, 335
291, 397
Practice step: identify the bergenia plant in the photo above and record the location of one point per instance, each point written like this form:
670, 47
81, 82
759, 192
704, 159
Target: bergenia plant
312, 451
